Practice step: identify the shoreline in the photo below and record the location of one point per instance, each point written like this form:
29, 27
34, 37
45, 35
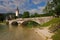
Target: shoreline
3, 23
44, 33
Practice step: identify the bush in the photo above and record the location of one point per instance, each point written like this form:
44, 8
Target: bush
57, 35
55, 27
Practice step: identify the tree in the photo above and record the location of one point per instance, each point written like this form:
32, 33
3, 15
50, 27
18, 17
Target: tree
48, 7
57, 7
57, 10
26, 15
2, 17
20, 15
54, 4
36, 15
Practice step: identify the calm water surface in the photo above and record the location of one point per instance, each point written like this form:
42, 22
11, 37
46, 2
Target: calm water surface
18, 33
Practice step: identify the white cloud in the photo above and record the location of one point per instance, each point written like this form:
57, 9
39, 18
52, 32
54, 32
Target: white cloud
38, 1
9, 5
39, 10
3, 9
19, 2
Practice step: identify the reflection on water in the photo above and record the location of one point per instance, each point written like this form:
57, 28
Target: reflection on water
18, 33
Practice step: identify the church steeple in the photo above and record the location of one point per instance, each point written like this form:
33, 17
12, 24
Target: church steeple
17, 12
17, 9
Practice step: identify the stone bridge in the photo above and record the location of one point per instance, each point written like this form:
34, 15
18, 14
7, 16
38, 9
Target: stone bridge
39, 20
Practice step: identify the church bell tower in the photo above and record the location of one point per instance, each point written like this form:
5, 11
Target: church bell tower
17, 12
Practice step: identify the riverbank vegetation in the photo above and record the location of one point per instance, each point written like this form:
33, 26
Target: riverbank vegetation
57, 35
54, 20
54, 7
55, 28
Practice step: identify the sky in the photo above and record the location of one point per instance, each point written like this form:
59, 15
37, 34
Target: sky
33, 6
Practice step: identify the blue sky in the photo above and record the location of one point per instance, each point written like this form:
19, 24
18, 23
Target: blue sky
24, 5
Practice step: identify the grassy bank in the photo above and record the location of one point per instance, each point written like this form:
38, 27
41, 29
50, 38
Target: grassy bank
55, 27
57, 35
54, 20
4, 22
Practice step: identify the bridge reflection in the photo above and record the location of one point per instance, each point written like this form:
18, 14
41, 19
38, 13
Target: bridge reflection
21, 33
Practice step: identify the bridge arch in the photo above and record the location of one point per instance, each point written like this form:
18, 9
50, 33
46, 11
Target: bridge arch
30, 21
14, 23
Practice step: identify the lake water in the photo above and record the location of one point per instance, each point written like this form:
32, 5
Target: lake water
18, 33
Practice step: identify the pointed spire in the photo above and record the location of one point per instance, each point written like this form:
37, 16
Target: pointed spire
17, 9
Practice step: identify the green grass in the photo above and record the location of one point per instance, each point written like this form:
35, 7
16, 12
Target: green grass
54, 20
55, 23
57, 35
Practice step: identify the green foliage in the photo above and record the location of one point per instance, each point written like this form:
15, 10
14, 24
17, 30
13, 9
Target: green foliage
55, 20
55, 27
57, 10
35, 15
57, 35
20, 15
48, 14
26, 15
42, 15
2, 17
57, 7
48, 8
54, 4
31, 16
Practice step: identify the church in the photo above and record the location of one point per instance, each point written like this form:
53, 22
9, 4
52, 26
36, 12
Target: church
13, 15
17, 12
